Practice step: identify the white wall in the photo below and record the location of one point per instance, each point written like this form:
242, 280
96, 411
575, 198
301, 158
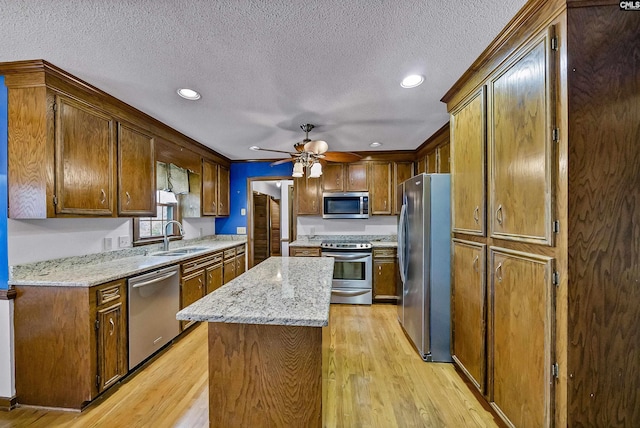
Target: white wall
7, 381
266, 187
374, 225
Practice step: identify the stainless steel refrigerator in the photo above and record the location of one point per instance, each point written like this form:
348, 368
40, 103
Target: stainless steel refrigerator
424, 259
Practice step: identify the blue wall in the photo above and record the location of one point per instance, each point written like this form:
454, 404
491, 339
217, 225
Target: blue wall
238, 174
4, 122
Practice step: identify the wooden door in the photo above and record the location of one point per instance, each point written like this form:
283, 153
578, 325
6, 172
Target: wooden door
522, 351
136, 172
85, 159
421, 166
229, 270
332, 177
520, 151
357, 177
385, 275
223, 191
443, 156
240, 264
260, 227
468, 177
307, 196
469, 310
274, 227
214, 277
380, 201
193, 288
209, 187
402, 171
111, 343
431, 160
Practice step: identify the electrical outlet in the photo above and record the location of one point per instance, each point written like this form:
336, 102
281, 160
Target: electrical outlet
123, 241
107, 244
243, 211
241, 230
201, 232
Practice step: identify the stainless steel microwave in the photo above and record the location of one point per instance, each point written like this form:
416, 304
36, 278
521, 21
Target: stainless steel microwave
345, 205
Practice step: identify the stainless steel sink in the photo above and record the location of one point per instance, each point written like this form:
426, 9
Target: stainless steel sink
181, 251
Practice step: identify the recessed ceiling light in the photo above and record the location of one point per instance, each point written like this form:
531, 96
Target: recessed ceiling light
254, 148
375, 144
188, 94
412, 81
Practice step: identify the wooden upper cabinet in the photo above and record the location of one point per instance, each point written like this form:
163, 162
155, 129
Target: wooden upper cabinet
85, 159
468, 166
402, 171
357, 177
469, 310
380, 201
223, 191
444, 158
520, 146
333, 177
136, 172
421, 165
520, 337
308, 196
431, 161
209, 187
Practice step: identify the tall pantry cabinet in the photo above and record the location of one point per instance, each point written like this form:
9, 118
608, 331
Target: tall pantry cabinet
545, 205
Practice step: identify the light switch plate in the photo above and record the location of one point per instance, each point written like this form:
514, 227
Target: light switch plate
107, 244
241, 230
243, 211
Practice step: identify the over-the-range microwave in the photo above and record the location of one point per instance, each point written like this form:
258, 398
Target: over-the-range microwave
345, 205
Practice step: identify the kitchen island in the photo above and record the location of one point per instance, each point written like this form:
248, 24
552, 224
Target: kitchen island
265, 343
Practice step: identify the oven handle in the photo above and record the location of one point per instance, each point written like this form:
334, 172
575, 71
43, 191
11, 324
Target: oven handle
349, 293
350, 257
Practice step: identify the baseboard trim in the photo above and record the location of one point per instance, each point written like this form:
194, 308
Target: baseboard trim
8, 294
8, 404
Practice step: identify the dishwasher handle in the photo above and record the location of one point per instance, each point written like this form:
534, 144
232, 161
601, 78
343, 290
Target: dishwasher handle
154, 280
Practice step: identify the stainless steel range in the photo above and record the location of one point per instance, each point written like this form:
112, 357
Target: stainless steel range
351, 272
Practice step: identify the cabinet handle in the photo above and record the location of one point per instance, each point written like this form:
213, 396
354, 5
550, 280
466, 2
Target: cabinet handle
475, 264
338, 181
113, 326
476, 214
499, 214
385, 204
313, 205
128, 197
103, 197
499, 272
200, 283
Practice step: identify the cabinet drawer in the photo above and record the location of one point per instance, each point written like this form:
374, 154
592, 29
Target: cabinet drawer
240, 250
304, 252
230, 253
384, 253
201, 262
109, 293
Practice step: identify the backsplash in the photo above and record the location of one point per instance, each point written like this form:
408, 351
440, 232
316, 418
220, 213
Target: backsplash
374, 225
348, 238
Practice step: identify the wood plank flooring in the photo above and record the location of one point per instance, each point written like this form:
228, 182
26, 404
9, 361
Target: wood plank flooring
372, 377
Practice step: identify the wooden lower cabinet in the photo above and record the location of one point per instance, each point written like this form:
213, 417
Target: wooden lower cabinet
70, 343
520, 337
192, 289
385, 275
241, 260
305, 251
229, 267
214, 277
468, 310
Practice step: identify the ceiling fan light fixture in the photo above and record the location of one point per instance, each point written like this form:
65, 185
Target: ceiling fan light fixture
316, 170
317, 147
298, 170
189, 94
412, 81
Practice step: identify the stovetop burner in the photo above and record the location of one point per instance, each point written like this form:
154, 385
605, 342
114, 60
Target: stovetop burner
337, 245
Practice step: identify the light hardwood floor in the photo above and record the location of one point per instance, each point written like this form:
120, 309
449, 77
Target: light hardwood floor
372, 377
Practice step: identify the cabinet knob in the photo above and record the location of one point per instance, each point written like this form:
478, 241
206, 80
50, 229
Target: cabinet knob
499, 214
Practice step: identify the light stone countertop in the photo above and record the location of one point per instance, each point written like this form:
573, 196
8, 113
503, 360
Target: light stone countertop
293, 291
87, 271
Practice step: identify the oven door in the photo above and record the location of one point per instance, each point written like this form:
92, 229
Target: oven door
351, 270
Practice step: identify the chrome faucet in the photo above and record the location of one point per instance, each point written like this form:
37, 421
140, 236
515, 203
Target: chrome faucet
166, 238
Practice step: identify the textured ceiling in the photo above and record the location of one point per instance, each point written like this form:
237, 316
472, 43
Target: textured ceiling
265, 67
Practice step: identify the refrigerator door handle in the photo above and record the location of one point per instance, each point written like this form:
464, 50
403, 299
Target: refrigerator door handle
402, 243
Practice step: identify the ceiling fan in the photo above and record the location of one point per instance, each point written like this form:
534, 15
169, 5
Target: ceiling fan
310, 153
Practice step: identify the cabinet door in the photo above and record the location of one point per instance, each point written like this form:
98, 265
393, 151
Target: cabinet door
469, 310
307, 196
522, 351
214, 277
111, 343
520, 151
229, 270
380, 202
385, 275
468, 166
136, 172
402, 171
209, 188
223, 191
332, 177
85, 159
443, 156
240, 264
193, 288
357, 177
431, 160
421, 166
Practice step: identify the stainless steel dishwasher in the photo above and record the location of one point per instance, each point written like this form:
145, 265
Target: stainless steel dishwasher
154, 300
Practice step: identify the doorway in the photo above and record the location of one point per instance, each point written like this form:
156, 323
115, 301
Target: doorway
268, 222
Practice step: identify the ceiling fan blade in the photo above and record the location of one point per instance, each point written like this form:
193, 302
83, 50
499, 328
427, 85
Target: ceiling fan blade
341, 157
280, 162
271, 150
